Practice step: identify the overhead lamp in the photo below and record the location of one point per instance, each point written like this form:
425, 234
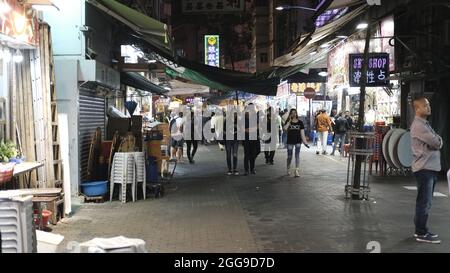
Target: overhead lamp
362, 25
167, 88
313, 52
323, 73
43, 5
45, 8
6, 55
342, 36
152, 61
298, 7
17, 57
325, 45
4, 8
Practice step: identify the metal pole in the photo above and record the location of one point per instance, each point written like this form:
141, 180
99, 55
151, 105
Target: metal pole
359, 141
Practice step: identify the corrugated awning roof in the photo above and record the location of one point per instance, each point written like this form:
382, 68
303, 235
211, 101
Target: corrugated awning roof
302, 55
138, 81
150, 29
153, 37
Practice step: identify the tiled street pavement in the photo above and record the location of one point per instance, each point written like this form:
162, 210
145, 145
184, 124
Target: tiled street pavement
266, 212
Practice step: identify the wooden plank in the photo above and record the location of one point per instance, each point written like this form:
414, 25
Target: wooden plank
37, 109
13, 103
30, 128
46, 106
55, 132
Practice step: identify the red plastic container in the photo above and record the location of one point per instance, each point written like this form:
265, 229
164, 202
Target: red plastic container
46, 214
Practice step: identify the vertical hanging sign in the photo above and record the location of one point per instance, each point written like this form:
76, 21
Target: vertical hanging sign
212, 51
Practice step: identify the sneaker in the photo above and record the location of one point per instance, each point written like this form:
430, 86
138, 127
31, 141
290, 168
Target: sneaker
246, 173
289, 173
235, 172
428, 239
229, 173
324, 153
192, 161
253, 172
317, 152
429, 233
271, 163
332, 154
297, 172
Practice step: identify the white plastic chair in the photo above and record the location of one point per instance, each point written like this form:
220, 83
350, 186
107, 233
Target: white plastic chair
123, 172
139, 159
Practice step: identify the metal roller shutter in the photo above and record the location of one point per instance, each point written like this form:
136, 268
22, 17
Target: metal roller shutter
91, 115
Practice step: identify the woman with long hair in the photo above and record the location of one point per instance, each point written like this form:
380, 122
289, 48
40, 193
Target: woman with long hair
295, 136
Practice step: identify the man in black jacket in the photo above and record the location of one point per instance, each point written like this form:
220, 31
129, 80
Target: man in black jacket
341, 127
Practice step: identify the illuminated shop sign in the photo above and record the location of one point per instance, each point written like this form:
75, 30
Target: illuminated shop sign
212, 51
18, 25
299, 88
377, 71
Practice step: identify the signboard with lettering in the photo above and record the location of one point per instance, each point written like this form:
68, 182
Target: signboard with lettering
299, 88
212, 50
19, 23
283, 89
212, 6
377, 70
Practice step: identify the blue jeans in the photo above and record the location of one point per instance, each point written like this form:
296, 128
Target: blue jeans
426, 180
290, 147
231, 146
284, 138
339, 138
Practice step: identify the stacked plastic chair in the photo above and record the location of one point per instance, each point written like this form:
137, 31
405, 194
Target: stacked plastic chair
139, 159
123, 172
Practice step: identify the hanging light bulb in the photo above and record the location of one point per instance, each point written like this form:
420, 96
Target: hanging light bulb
4, 8
6, 55
17, 57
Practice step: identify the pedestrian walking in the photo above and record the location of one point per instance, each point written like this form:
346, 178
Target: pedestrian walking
252, 147
426, 145
192, 142
231, 145
341, 128
295, 137
323, 126
177, 141
266, 145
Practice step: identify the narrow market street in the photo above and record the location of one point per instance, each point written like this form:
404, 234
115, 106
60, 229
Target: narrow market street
211, 212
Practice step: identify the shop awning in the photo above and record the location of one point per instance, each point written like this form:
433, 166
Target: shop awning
138, 81
149, 35
150, 29
326, 33
300, 77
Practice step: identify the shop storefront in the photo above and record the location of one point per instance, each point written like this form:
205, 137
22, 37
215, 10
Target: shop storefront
291, 96
344, 69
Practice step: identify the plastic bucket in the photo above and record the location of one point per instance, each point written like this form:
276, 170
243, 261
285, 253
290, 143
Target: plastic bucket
94, 188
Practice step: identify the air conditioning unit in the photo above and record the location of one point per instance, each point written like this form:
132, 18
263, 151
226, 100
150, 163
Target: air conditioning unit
94, 71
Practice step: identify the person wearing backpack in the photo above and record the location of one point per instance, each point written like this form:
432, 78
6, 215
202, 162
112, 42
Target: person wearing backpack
341, 127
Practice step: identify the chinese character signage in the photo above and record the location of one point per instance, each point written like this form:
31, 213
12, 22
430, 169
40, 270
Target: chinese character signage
377, 70
216, 6
19, 23
212, 56
299, 88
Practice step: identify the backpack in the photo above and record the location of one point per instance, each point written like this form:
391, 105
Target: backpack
341, 125
172, 122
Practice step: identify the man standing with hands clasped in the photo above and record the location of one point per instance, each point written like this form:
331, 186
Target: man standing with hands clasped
426, 144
